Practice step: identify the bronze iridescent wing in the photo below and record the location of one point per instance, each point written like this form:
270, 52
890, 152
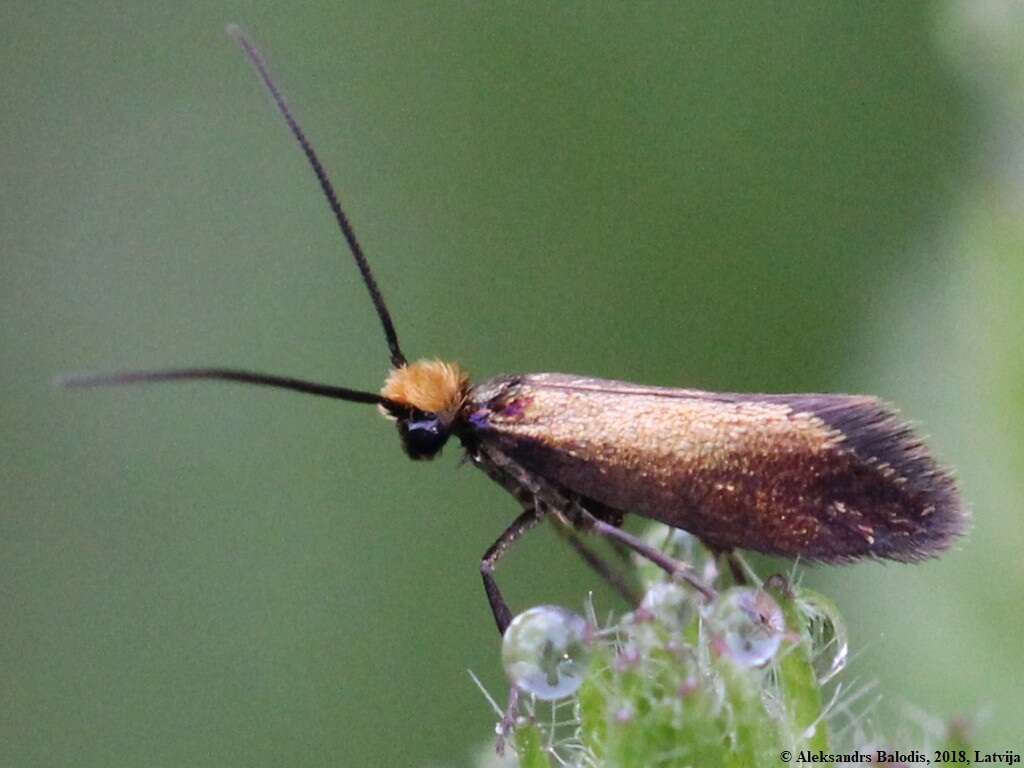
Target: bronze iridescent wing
825, 477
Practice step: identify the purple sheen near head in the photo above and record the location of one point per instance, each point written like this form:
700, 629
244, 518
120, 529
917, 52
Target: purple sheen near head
480, 419
515, 409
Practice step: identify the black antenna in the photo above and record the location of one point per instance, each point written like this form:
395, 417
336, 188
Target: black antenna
223, 374
252, 53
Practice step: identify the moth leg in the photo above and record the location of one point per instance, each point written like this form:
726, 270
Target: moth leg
781, 583
507, 725
613, 576
741, 571
621, 550
500, 609
669, 565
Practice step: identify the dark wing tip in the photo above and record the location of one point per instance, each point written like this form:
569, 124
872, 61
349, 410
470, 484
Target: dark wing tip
930, 514
875, 432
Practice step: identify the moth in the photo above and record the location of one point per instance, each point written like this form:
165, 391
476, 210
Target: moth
830, 478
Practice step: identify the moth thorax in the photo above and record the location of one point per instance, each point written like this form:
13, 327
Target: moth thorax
428, 386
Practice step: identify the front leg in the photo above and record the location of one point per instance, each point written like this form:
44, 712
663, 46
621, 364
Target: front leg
500, 609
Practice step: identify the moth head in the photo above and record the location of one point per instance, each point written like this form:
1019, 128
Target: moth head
424, 399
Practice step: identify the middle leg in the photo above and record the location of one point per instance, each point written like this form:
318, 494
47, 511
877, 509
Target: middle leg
600, 566
671, 566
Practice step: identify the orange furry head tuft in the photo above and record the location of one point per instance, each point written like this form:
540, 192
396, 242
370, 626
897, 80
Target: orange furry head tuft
430, 386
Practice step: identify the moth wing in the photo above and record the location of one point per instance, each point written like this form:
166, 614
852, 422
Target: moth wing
824, 477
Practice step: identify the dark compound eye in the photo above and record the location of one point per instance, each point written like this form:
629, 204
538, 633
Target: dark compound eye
422, 435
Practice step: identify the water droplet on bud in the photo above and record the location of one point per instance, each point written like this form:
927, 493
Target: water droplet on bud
748, 626
545, 652
670, 603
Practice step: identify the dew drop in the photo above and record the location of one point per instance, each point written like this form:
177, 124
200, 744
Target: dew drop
749, 626
828, 633
670, 604
545, 652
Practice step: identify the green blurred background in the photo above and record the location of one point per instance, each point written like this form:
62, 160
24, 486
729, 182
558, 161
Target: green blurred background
770, 197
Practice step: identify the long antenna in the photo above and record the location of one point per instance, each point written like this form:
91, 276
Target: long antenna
256, 58
222, 374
